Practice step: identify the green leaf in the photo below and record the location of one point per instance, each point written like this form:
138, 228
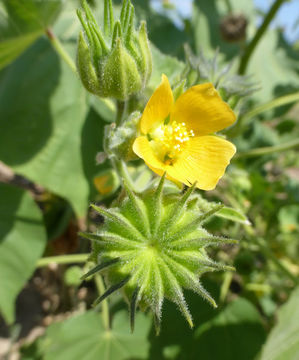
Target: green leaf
235, 333
233, 215
47, 133
104, 107
283, 341
84, 337
21, 23
232, 332
164, 64
22, 242
278, 75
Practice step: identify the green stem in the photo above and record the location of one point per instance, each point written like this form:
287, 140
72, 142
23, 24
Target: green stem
269, 149
60, 50
265, 288
122, 171
228, 276
62, 259
228, 6
121, 111
258, 35
105, 306
280, 101
80, 258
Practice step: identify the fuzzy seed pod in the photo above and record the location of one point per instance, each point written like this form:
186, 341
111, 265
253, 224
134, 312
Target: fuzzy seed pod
153, 246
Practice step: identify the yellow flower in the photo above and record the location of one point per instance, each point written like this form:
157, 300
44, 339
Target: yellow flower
177, 137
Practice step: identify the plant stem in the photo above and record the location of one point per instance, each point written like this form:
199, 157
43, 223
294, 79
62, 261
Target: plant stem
265, 288
62, 259
228, 276
229, 7
121, 111
258, 35
280, 101
105, 306
122, 171
268, 149
60, 50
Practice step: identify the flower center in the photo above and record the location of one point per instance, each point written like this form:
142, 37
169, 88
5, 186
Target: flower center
169, 140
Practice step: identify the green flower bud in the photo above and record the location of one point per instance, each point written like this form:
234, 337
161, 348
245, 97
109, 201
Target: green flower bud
121, 138
117, 63
153, 246
201, 69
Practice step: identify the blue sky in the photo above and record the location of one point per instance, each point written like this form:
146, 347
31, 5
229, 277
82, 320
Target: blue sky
287, 17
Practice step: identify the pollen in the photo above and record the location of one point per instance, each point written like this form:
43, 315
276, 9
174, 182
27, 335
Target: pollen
171, 139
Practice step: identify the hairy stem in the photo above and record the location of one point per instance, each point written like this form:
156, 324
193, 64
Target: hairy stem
122, 171
258, 35
121, 111
62, 259
105, 306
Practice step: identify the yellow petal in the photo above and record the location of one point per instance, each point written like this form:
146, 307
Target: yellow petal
161, 173
203, 110
142, 148
158, 107
204, 161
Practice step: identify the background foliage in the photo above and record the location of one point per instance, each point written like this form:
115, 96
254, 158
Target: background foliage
51, 135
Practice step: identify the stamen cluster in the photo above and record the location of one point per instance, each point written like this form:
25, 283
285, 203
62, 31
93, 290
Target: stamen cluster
172, 138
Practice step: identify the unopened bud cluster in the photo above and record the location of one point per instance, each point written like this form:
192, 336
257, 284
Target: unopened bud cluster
117, 61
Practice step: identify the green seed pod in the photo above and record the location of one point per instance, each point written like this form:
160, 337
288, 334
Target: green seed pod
153, 246
117, 63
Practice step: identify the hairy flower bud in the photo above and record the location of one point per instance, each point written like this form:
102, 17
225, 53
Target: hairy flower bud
200, 69
121, 138
153, 246
118, 62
